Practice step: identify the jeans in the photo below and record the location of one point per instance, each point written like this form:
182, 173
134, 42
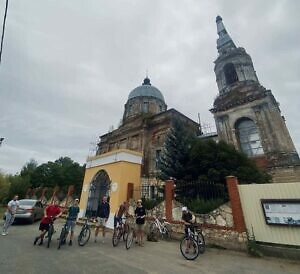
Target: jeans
8, 221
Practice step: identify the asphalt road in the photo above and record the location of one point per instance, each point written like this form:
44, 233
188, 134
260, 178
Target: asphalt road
19, 255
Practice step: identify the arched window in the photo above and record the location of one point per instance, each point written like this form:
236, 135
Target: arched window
230, 74
146, 107
248, 137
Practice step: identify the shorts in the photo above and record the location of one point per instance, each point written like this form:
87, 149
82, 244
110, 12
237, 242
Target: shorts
139, 227
44, 227
101, 222
71, 225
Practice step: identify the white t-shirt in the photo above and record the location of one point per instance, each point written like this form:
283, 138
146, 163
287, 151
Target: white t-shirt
13, 206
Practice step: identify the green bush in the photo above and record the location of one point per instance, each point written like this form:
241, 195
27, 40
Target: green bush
151, 203
201, 206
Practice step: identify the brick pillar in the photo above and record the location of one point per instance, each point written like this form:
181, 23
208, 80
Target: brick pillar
169, 196
234, 196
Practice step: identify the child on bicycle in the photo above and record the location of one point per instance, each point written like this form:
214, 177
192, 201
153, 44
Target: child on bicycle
51, 211
72, 218
189, 220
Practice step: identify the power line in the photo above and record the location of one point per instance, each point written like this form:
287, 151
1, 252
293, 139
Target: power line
3, 29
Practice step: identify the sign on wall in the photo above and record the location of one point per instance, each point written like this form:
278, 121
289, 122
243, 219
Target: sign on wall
281, 211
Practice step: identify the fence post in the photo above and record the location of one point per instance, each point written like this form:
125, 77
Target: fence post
234, 196
169, 196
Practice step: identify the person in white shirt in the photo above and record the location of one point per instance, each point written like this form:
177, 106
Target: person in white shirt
10, 214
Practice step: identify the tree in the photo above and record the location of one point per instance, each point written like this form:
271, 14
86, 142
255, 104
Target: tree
18, 185
4, 188
63, 172
175, 154
211, 161
29, 168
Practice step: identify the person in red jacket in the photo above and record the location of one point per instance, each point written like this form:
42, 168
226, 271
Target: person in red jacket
51, 211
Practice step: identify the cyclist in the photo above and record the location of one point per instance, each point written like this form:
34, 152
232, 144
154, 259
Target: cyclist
72, 218
102, 217
189, 220
122, 210
51, 211
140, 214
10, 214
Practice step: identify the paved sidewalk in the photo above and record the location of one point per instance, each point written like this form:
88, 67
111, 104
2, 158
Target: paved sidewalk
18, 255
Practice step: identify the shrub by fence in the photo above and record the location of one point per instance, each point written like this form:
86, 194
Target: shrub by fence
201, 196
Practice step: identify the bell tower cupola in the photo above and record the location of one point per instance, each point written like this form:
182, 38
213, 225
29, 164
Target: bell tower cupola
233, 64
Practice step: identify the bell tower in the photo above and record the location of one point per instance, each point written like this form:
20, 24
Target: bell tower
246, 113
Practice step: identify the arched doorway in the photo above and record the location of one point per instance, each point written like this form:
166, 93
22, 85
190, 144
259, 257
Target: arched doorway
99, 187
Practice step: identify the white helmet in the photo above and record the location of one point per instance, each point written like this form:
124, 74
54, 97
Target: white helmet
184, 208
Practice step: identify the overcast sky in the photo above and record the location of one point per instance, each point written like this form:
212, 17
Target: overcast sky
68, 66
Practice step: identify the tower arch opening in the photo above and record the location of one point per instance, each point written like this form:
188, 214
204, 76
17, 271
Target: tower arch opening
230, 74
248, 137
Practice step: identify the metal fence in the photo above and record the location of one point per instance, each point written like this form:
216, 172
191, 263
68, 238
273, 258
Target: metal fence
152, 192
203, 190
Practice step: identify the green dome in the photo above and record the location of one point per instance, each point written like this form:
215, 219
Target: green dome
146, 90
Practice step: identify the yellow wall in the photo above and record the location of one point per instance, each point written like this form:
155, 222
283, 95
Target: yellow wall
254, 217
120, 174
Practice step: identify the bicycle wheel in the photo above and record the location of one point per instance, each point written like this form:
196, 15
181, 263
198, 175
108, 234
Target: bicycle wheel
84, 236
50, 233
62, 237
116, 236
125, 232
167, 233
201, 242
189, 251
129, 239
154, 230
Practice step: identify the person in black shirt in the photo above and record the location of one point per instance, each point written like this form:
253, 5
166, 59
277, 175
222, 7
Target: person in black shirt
102, 217
140, 214
189, 220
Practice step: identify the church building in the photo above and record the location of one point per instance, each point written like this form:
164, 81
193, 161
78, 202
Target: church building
146, 122
247, 114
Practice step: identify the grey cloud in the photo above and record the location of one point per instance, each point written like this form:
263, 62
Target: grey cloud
68, 66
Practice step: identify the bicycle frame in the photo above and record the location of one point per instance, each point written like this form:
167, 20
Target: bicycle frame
161, 225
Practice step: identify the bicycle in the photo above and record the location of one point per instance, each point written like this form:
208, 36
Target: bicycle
121, 230
85, 233
193, 243
51, 231
131, 234
63, 236
161, 227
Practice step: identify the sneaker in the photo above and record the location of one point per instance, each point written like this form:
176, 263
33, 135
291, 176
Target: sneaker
187, 251
35, 240
4, 234
70, 243
41, 243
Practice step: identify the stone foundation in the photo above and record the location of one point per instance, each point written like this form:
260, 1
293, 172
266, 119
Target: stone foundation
217, 226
